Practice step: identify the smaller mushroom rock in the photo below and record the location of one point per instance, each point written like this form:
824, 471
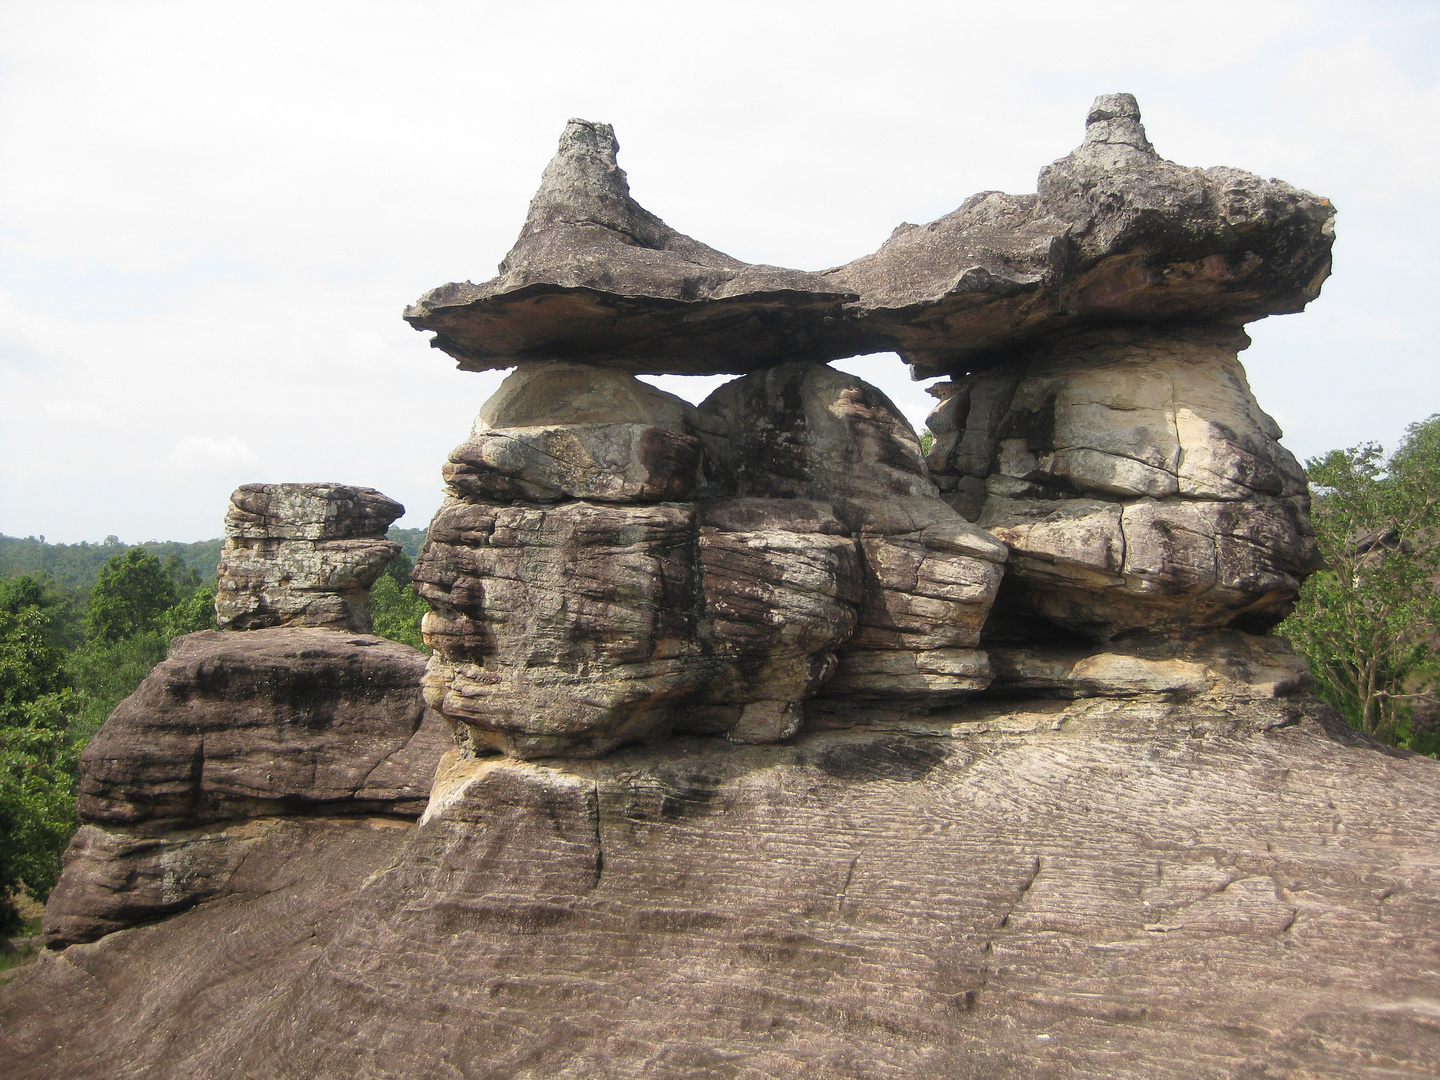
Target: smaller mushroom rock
595, 276
1115, 233
303, 555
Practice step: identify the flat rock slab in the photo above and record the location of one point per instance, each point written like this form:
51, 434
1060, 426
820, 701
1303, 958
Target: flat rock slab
1091, 889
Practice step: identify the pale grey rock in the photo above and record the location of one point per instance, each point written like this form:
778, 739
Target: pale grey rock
1135, 480
1223, 666
303, 555
596, 276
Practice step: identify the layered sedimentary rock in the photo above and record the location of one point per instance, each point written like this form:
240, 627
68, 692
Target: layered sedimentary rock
1136, 482
303, 555
223, 738
1160, 890
579, 604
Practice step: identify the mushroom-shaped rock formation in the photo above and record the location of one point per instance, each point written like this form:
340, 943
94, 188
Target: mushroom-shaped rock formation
596, 276
303, 555
239, 740
1114, 234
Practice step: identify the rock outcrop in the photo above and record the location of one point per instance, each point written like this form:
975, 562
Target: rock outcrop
237, 739
1114, 234
303, 555
596, 276
1025, 786
613, 564
1134, 890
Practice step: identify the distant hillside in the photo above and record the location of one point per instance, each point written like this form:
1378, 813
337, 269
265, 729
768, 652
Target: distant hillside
410, 540
77, 566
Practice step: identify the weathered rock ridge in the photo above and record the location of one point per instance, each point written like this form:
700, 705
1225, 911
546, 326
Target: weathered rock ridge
1013, 779
1113, 234
1084, 889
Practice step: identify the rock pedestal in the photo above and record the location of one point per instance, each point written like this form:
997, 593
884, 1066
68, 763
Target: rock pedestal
239, 740
303, 555
580, 604
1136, 482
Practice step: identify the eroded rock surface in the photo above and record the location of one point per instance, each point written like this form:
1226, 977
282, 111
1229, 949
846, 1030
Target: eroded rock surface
1160, 890
1114, 233
1136, 482
234, 727
303, 555
596, 276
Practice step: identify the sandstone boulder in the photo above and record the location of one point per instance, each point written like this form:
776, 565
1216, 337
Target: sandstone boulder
1135, 480
577, 431
233, 729
564, 629
596, 276
806, 431
1115, 233
303, 555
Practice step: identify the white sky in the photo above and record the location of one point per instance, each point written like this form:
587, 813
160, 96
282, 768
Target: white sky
212, 215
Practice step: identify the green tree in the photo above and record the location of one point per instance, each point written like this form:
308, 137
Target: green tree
131, 595
1368, 622
38, 756
397, 611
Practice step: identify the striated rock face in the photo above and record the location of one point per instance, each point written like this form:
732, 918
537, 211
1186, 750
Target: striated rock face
596, 276
588, 610
1135, 481
1114, 234
303, 555
227, 732
1161, 890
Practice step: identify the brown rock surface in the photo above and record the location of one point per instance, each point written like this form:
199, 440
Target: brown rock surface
1114, 234
1120, 889
303, 555
229, 728
596, 276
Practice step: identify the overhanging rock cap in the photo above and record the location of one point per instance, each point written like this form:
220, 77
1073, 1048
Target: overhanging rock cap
1115, 234
595, 276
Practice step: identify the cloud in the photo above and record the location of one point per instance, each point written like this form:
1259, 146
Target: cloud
197, 453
